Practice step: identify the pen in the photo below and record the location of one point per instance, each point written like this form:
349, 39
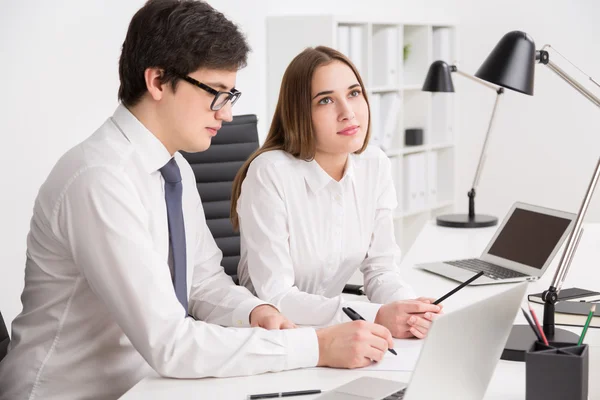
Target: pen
587, 324
532, 325
282, 394
537, 323
354, 316
462, 285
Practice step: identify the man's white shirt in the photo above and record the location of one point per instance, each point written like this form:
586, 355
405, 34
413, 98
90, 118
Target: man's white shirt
99, 308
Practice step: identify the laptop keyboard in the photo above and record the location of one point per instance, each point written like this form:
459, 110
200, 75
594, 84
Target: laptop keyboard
490, 270
399, 395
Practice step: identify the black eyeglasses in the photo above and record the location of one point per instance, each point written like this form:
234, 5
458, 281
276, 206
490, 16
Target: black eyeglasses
221, 98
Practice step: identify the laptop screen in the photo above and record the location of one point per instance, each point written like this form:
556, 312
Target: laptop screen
529, 237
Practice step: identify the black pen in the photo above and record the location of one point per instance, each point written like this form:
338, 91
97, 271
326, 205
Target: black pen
354, 316
282, 394
462, 285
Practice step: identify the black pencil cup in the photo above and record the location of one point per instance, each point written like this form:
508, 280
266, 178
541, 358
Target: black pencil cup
557, 372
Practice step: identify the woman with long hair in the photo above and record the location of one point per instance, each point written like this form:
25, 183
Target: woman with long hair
315, 203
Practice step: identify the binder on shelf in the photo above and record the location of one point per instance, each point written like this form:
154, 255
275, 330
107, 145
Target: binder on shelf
397, 179
422, 179
432, 178
390, 108
442, 45
414, 178
356, 47
375, 104
441, 117
343, 39
385, 49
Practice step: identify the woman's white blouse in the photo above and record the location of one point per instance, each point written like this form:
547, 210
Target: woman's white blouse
303, 235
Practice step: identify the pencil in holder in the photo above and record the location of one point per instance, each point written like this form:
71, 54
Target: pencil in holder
557, 372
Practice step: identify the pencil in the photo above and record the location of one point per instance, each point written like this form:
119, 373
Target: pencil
532, 325
456, 289
537, 323
587, 324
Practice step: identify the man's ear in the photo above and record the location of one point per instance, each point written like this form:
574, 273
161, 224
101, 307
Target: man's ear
155, 87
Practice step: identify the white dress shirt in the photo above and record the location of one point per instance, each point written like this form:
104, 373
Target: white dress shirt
303, 235
99, 308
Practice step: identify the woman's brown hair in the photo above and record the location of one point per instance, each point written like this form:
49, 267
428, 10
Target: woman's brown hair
291, 129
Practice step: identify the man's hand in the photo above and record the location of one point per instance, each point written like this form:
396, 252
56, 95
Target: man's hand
408, 318
268, 317
353, 344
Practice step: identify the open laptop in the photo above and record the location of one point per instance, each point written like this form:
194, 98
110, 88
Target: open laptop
458, 357
521, 250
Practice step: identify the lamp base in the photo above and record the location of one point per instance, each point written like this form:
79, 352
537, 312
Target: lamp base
522, 338
464, 221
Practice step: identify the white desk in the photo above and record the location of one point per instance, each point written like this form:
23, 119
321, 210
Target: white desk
433, 244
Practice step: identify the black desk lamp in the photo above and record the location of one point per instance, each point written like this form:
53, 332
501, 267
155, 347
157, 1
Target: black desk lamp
511, 65
438, 80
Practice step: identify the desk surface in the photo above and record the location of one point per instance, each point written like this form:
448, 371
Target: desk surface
433, 244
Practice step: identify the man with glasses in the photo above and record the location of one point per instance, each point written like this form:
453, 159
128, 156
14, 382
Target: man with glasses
123, 276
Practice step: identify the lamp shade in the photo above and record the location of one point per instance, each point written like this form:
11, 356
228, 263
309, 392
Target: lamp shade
511, 64
438, 78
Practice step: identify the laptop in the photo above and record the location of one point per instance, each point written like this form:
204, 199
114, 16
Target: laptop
521, 250
458, 357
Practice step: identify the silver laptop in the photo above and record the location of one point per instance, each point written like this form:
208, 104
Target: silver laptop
458, 357
521, 250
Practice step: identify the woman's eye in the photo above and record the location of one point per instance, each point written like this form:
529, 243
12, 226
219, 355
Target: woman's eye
355, 93
325, 100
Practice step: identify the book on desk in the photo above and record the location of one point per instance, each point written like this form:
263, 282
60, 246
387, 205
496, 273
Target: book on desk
571, 294
575, 313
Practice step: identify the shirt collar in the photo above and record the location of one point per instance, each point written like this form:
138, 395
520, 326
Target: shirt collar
152, 152
317, 178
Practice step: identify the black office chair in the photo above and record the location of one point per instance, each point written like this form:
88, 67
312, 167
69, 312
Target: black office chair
215, 170
4, 338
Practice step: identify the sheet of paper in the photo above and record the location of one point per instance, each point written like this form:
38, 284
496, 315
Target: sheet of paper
408, 353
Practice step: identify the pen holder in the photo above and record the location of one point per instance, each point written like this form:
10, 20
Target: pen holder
557, 372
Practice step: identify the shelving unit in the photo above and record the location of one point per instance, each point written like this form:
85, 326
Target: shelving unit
393, 81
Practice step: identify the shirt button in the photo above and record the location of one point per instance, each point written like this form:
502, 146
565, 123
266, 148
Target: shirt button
338, 197
239, 322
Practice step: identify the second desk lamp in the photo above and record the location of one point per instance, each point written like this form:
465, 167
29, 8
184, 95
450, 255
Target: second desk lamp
439, 80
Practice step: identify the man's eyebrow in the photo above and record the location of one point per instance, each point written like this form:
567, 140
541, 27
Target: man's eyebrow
331, 91
219, 85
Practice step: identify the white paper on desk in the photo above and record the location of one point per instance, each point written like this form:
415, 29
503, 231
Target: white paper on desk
408, 353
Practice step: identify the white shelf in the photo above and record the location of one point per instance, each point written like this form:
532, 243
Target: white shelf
382, 89
410, 213
441, 146
394, 84
418, 149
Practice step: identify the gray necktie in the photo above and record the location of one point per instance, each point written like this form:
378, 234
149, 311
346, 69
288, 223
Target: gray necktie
173, 192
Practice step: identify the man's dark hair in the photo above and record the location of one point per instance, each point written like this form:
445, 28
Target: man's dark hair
178, 36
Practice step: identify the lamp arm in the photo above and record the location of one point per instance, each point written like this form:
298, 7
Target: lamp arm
543, 57
482, 156
454, 68
499, 90
573, 239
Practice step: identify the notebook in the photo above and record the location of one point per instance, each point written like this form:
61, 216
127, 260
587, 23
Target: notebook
575, 313
571, 294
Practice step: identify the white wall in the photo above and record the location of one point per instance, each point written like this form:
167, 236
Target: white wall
58, 63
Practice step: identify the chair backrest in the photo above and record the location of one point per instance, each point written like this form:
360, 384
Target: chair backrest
215, 170
4, 338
